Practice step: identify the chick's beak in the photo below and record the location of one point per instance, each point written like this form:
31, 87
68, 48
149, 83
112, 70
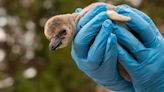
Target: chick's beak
54, 43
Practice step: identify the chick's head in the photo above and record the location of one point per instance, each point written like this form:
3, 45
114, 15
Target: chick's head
60, 31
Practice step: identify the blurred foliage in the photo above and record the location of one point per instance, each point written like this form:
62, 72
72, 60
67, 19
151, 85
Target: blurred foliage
27, 47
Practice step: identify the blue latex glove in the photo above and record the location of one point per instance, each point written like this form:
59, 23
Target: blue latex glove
145, 64
94, 50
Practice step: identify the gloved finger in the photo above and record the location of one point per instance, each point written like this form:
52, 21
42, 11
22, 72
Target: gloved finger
90, 15
97, 49
129, 41
109, 66
138, 24
128, 62
107, 70
148, 20
111, 46
78, 10
87, 33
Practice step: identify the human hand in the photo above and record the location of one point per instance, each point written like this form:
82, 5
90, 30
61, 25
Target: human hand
94, 50
145, 64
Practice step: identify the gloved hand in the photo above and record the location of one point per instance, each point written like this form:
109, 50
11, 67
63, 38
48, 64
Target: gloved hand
94, 50
145, 64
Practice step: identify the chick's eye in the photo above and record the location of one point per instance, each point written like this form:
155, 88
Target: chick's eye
62, 32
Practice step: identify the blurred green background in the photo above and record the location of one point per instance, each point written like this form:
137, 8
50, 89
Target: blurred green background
27, 65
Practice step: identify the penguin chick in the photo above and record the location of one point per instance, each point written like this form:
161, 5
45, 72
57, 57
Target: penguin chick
60, 29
